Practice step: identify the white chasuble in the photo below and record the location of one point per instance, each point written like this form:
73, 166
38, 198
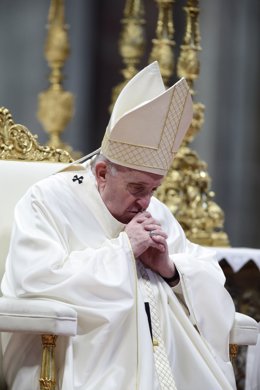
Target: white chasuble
66, 246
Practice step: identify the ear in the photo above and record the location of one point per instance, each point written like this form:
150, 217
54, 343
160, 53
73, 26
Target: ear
101, 170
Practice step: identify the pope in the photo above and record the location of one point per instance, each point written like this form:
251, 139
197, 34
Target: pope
153, 313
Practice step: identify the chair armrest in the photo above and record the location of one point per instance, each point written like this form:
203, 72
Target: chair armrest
37, 316
244, 331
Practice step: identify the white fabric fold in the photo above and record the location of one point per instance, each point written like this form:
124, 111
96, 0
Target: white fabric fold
67, 247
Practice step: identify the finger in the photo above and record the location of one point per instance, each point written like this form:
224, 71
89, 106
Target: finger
158, 235
150, 221
146, 214
158, 246
159, 240
141, 217
153, 227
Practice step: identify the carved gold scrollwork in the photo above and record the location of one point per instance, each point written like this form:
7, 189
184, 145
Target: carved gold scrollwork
17, 143
233, 351
186, 191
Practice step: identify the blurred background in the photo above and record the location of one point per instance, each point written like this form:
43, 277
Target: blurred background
228, 86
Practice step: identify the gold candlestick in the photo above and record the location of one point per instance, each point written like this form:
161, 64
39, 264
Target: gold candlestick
55, 105
187, 187
162, 49
188, 63
131, 43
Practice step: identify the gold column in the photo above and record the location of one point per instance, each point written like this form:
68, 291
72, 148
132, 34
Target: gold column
186, 189
188, 63
48, 371
131, 43
56, 106
162, 48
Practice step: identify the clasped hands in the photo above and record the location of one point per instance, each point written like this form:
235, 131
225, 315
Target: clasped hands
148, 241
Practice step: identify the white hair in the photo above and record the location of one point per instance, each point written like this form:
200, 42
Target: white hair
113, 168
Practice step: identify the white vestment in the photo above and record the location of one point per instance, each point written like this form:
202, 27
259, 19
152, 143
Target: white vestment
66, 246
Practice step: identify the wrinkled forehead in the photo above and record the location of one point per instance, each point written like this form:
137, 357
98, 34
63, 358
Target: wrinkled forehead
139, 177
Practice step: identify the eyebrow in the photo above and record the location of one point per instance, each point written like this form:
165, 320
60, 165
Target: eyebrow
138, 184
141, 184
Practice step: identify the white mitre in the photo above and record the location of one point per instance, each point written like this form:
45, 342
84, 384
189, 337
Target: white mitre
148, 123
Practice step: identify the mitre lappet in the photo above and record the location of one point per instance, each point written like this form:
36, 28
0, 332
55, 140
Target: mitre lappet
148, 123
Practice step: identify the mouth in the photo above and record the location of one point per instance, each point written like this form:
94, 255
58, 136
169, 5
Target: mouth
134, 211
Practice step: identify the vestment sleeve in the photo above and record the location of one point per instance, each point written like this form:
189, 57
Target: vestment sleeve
99, 281
184, 253
201, 285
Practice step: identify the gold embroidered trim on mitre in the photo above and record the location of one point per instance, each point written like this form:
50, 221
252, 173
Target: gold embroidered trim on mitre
140, 156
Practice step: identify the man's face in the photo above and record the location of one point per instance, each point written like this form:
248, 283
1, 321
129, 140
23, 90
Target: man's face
125, 192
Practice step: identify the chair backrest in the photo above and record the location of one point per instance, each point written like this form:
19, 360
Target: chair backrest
22, 163
15, 178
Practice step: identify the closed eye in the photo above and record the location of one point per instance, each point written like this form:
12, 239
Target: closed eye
139, 190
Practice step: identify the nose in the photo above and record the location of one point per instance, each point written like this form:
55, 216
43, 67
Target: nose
144, 201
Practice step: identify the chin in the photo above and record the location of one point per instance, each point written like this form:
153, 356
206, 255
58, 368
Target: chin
125, 218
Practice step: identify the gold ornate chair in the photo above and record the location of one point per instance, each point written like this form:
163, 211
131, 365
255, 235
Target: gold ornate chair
22, 162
